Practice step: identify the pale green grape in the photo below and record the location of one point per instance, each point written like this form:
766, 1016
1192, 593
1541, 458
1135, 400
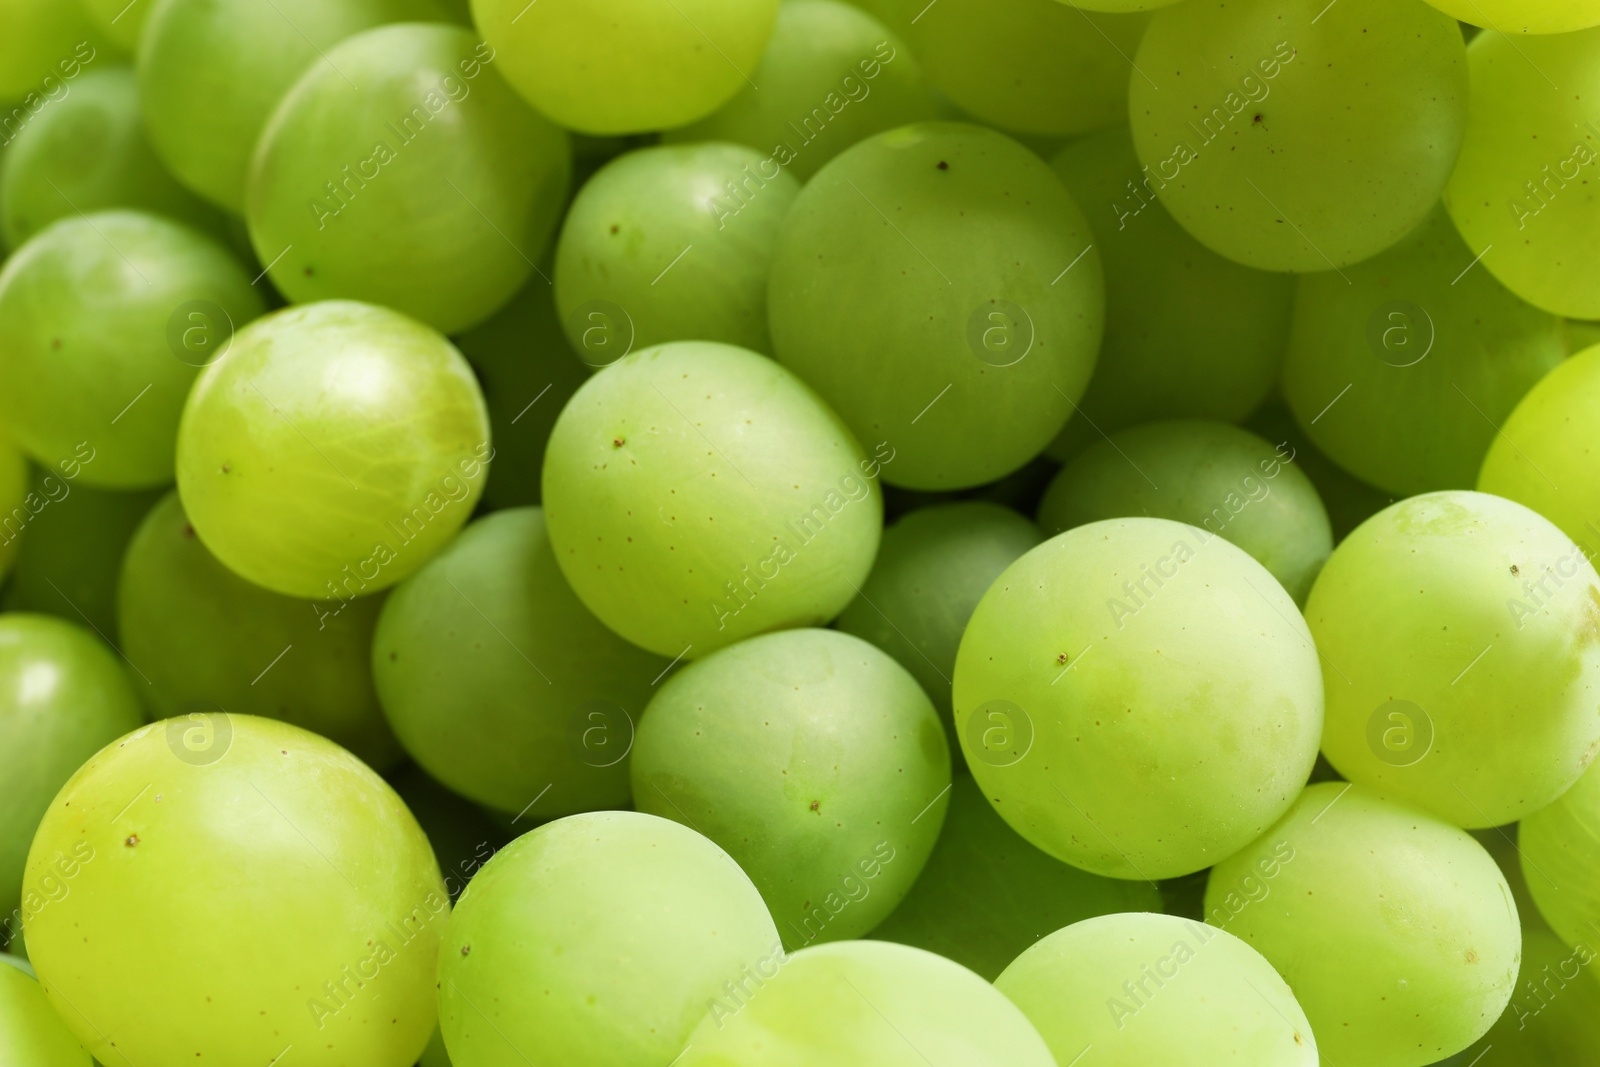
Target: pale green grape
830, 798
1295, 135
528, 373
865, 1004
69, 539
16, 509
45, 44
697, 494
211, 72
1188, 333
1402, 368
530, 963
1396, 931
933, 567
1140, 989
986, 894
1220, 478
831, 76
600, 66
938, 285
1065, 71
63, 694
501, 684
1138, 698
31, 1032
87, 153
265, 886
1554, 1015
119, 21
397, 118
1348, 500
103, 320
336, 448
1524, 16
205, 639
1460, 660
1542, 457
672, 243
1560, 857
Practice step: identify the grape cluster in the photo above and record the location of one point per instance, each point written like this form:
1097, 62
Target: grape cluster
799, 533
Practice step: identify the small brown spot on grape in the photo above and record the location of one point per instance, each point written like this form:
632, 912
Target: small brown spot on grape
617, 442
132, 841
943, 165
466, 950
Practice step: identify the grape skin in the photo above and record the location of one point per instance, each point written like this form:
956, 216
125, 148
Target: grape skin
30, 1030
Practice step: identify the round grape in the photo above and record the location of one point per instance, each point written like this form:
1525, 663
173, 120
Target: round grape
30, 1030
1560, 850
1524, 16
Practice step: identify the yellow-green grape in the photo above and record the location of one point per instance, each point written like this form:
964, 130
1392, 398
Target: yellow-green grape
266, 886
1138, 989
103, 322
205, 639
63, 694
1524, 16
986, 894
119, 21
1396, 931
698, 493
211, 72
831, 76
1290, 135
830, 798
1065, 71
864, 1004
436, 125
601, 67
502, 685
938, 285
1348, 500
1542, 456
87, 152
599, 939
1460, 655
31, 1033
1189, 334
933, 567
1554, 1015
45, 45
671, 243
528, 373
1560, 857
1138, 698
336, 448
16, 508
1522, 189
1402, 368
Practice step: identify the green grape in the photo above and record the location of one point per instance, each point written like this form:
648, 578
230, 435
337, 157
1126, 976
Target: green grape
16, 506
103, 320
895, 14
830, 799
1188, 333
266, 887
462, 836
1065, 71
1541, 456
672, 243
530, 962
1560, 857
1524, 16
698, 494
986, 894
205, 639
31, 1033
119, 21
933, 567
1138, 698
603, 67
1461, 667
864, 1004
936, 259
88, 153
402, 116
1220, 478
1401, 374
830, 77
69, 542
1298, 135
62, 695
1348, 500
1554, 1016
45, 42
211, 72
336, 448
501, 684
1142, 989
528, 373
1396, 931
